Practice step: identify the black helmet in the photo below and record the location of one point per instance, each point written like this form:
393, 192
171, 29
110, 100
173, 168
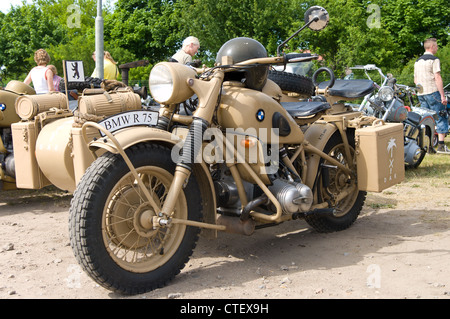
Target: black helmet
241, 49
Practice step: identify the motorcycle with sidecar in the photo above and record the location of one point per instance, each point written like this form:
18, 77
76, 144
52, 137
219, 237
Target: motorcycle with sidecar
241, 161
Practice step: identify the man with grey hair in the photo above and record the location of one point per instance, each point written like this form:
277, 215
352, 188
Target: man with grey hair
188, 50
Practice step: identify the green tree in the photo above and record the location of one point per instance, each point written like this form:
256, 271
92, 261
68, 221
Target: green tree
350, 37
411, 22
216, 21
145, 29
22, 31
388, 33
77, 18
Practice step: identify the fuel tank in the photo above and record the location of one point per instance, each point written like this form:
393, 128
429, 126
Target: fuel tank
8, 113
8, 97
252, 115
253, 110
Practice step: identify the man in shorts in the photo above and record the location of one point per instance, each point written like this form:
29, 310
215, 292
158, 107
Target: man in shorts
427, 72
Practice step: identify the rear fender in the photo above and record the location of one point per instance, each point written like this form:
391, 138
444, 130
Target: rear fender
135, 135
317, 135
430, 123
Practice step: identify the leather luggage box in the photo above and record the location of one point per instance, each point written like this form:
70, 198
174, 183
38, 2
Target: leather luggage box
380, 156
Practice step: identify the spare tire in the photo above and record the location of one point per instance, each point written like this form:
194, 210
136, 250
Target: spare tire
291, 82
89, 82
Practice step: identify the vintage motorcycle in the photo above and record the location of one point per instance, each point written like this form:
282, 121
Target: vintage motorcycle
241, 161
388, 104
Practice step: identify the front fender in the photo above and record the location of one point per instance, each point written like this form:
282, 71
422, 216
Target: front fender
134, 135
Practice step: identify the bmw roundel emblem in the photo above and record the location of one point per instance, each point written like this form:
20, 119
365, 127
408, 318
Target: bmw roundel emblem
2, 106
260, 115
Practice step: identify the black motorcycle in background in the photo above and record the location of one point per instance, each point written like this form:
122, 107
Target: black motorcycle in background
388, 102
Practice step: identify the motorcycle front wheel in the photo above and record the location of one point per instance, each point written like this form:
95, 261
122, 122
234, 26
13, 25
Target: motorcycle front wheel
110, 232
330, 182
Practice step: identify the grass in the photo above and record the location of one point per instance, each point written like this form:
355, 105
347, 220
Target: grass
435, 168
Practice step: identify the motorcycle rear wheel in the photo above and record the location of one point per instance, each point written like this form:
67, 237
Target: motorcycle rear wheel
346, 210
110, 232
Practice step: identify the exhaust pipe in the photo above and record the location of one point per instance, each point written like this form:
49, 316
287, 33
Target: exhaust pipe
235, 225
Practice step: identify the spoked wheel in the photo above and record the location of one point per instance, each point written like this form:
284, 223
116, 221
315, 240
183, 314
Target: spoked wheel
331, 184
111, 229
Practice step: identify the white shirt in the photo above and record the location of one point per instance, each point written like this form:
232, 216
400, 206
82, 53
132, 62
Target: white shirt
424, 71
39, 79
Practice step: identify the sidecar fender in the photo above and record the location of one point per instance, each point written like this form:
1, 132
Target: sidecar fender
134, 135
317, 135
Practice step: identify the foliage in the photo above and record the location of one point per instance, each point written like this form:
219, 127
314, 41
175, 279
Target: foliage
147, 29
216, 21
386, 33
24, 30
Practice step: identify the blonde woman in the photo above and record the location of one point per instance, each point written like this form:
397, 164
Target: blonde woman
110, 71
41, 75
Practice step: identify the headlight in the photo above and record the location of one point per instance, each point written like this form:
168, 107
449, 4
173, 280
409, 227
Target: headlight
161, 83
168, 82
386, 93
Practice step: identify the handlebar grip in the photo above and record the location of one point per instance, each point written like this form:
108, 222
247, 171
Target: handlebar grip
297, 55
327, 70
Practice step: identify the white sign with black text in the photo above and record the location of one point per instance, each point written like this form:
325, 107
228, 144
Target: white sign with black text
127, 119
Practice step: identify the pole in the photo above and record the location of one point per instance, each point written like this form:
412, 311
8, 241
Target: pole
99, 49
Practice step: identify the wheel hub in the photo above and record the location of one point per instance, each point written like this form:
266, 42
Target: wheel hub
143, 221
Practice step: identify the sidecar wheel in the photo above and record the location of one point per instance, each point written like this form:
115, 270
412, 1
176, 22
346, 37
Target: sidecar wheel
110, 232
348, 208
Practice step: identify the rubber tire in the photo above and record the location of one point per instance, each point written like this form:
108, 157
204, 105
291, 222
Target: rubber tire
89, 82
330, 223
85, 221
291, 82
418, 162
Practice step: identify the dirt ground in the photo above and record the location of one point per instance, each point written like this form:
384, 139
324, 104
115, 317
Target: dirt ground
398, 248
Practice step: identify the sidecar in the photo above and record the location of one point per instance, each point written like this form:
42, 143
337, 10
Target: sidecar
41, 142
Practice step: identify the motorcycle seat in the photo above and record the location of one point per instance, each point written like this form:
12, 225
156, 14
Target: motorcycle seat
349, 88
304, 109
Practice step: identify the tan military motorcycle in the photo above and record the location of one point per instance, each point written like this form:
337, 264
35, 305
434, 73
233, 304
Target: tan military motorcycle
240, 162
